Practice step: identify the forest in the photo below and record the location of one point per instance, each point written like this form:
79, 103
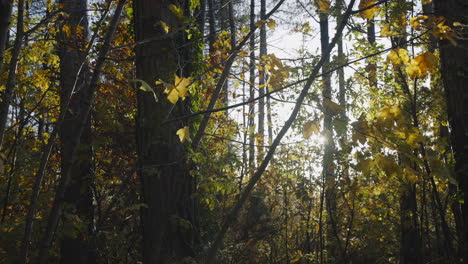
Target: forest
233, 131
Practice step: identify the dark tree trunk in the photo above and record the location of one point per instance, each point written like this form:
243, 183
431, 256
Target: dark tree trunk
168, 217
5, 15
74, 76
211, 26
7, 94
454, 65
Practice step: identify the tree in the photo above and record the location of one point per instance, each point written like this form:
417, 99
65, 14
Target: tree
170, 227
454, 75
74, 79
5, 14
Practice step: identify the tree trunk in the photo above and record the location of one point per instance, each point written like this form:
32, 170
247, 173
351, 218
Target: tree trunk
168, 216
5, 15
261, 85
454, 64
328, 170
211, 27
74, 75
7, 94
251, 125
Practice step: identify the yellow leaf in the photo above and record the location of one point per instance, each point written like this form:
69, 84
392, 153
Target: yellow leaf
413, 70
323, 5
184, 134
179, 89
410, 175
442, 31
181, 85
176, 11
271, 23
398, 57
368, 13
67, 30
423, 63
332, 108
429, 62
165, 27
386, 32
310, 128
416, 22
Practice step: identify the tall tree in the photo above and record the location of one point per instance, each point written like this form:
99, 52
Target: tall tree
328, 167
7, 94
454, 64
5, 15
251, 119
261, 85
168, 217
74, 79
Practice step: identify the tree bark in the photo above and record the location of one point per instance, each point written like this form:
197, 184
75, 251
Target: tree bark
74, 75
82, 119
251, 126
5, 15
454, 63
168, 218
7, 94
261, 85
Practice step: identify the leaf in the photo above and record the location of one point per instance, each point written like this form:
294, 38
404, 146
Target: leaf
398, 57
67, 30
176, 11
165, 27
416, 22
310, 128
386, 32
410, 175
423, 63
360, 129
179, 89
428, 62
184, 134
145, 87
414, 70
271, 23
323, 5
368, 13
332, 108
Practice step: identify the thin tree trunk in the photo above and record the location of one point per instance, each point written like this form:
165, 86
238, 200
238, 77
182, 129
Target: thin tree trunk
169, 224
7, 94
328, 169
372, 68
251, 126
231, 217
342, 131
202, 17
261, 85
